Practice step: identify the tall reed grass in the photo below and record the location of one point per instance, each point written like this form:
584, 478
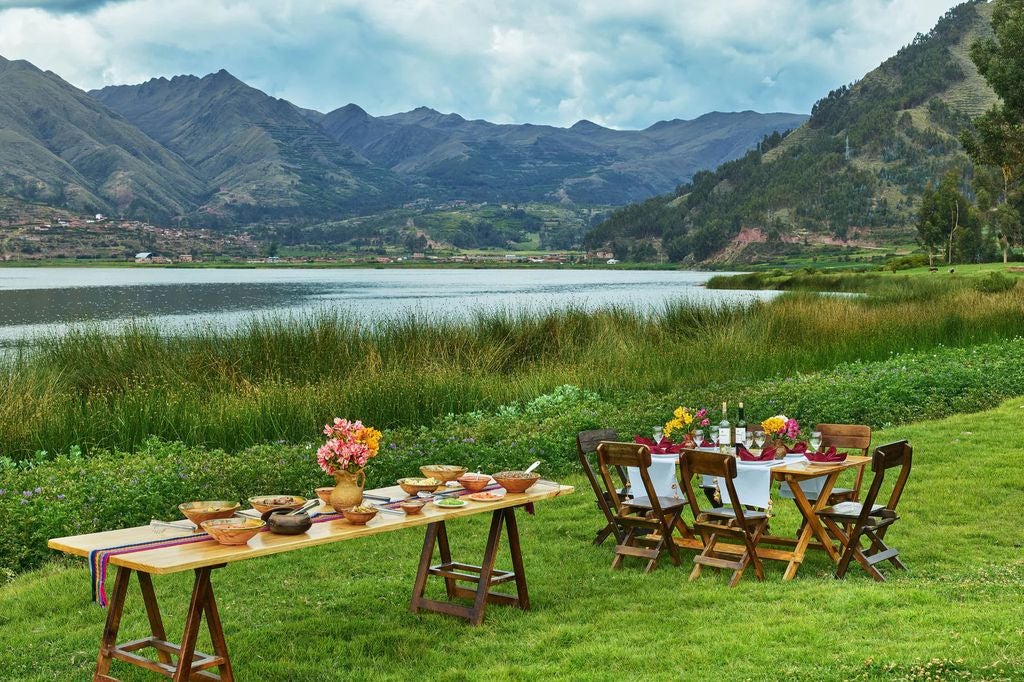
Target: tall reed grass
279, 379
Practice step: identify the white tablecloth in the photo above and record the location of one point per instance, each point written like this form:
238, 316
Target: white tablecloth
663, 473
753, 484
812, 487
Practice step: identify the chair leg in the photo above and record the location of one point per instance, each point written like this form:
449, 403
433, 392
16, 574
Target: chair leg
626, 542
755, 559
709, 551
602, 535
669, 526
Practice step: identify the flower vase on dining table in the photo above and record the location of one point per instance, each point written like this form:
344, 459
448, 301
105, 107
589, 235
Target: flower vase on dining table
777, 446
348, 489
688, 442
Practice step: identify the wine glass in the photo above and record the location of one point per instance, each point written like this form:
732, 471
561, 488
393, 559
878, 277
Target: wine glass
659, 434
748, 439
715, 437
815, 440
698, 438
758, 439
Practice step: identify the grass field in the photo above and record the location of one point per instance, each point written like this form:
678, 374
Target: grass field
339, 612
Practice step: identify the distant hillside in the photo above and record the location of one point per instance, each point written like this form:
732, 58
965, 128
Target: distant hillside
260, 157
61, 147
901, 122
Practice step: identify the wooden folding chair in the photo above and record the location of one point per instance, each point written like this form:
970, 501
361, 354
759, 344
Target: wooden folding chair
658, 516
586, 445
846, 437
868, 519
713, 524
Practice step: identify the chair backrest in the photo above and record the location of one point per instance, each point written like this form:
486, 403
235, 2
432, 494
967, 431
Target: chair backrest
614, 454
587, 441
696, 463
899, 454
846, 436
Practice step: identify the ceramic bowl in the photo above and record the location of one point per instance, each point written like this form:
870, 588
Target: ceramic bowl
475, 482
232, 531
358, 518
281, 522
411, 486
442, 472
197, 512
515, 481
325, 495
412, 506
265, 503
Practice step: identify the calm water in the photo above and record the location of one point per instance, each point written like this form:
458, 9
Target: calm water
34, 300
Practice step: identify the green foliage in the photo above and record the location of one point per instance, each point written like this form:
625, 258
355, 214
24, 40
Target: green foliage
996, 282
67, 494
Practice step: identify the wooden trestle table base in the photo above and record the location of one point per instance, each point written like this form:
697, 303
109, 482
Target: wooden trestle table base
182, 662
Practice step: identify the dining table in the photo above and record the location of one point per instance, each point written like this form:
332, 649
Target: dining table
148, 551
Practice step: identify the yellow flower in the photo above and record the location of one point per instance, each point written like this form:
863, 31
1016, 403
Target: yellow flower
371, 438
773, 425
670, 426
679, 412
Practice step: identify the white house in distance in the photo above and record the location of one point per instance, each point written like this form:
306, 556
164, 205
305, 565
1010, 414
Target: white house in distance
144, 257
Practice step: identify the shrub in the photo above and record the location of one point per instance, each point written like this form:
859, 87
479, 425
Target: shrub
996, 283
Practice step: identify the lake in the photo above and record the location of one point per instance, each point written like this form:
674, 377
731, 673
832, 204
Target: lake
40, 300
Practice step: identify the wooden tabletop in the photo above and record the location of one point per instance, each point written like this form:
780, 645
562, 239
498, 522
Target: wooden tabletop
801, 468
200, 554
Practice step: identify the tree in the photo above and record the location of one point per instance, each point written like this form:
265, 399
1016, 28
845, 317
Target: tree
944, 212
998, 136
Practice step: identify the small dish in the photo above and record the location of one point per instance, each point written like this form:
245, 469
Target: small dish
325, 495
412, 507
449, 502
265, 503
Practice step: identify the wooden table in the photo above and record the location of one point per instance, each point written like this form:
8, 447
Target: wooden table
812, 534
204, 557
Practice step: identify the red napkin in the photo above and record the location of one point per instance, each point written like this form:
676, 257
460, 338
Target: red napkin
745, 455
707, 443
797, 449
827, 455
665, 448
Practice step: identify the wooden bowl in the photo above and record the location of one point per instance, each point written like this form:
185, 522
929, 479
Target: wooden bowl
232, 531
197, 512
265, 503
325, 495
358, 518
281, 522
412, 506
515, 481
442, 472
411, 487
475, 482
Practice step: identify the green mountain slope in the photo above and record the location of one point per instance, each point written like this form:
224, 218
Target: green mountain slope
261, 157
62, 147
901, 122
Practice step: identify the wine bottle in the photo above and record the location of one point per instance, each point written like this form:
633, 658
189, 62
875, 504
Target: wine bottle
741, 427
724, 431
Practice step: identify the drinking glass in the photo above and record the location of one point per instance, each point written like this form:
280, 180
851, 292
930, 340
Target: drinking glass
758, 438
748, 440
715, 437
698, 437
815, 440
659, 434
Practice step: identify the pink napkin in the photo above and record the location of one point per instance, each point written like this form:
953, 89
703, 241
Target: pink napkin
665, 448
745, 455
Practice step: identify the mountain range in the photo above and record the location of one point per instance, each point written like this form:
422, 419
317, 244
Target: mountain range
214, 151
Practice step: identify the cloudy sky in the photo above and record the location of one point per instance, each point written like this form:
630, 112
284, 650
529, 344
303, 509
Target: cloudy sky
621, 63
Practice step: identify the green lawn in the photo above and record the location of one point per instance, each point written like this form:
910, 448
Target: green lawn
339, 612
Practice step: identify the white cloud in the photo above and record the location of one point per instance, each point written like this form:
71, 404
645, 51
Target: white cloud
623, 63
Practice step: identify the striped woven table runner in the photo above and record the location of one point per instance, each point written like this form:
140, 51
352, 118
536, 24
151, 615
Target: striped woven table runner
99, 559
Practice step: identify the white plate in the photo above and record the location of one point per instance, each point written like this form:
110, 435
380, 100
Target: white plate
766, 462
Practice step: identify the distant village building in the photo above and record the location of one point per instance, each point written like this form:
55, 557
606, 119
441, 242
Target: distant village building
600, 255
613, 261
144, 257
185, 258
